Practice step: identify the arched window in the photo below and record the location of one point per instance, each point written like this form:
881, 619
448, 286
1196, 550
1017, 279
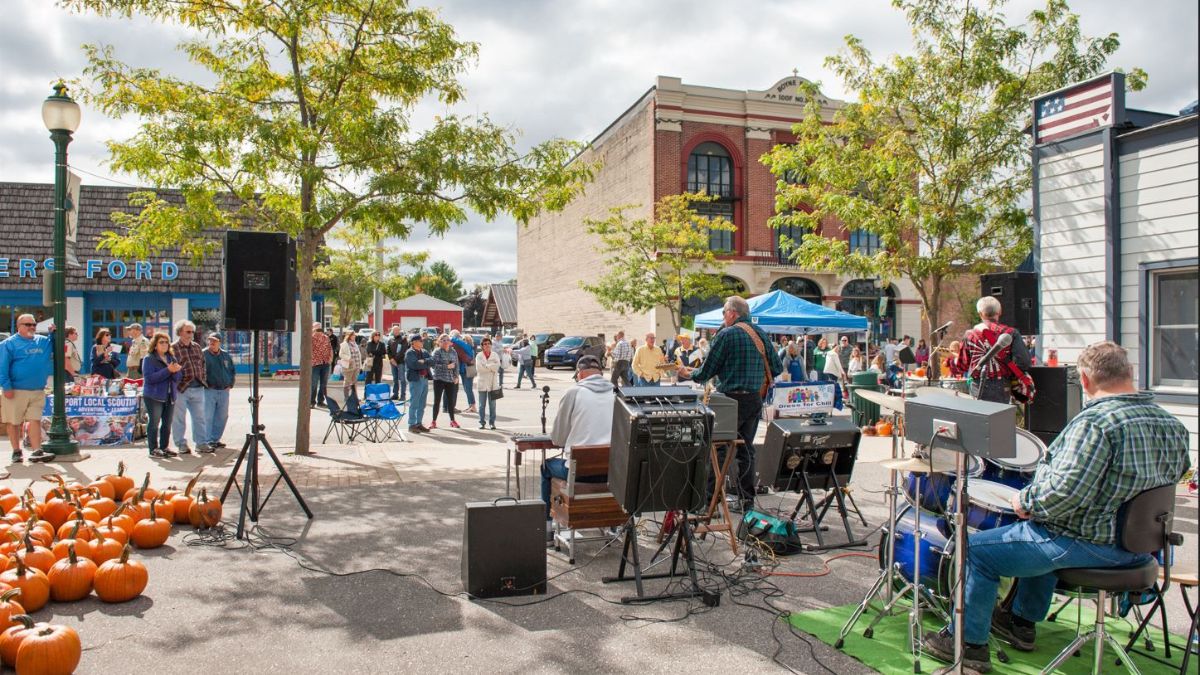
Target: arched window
710, 170
805, 289
693, 305
862, 297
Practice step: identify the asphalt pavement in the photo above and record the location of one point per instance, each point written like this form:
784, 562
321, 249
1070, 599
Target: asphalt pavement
372, 582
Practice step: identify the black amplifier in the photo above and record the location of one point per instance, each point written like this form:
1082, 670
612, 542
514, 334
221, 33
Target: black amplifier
790, 441
504, 548
659, 454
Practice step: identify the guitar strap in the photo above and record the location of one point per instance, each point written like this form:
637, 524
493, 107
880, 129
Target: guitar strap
762, 352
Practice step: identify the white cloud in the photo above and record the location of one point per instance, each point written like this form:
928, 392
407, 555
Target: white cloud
563, 69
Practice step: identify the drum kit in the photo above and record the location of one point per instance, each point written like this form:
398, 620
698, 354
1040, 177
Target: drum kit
917, 547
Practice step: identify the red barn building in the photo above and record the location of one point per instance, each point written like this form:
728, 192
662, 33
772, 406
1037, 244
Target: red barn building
420, 311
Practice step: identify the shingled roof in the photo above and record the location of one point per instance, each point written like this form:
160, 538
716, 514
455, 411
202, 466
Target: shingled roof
27, 229
501, 307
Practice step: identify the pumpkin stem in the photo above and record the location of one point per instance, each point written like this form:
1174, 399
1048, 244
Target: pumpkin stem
117, 512
20, 566
120, 468
10, 594
28, 543
125, 554
153, 515
75, 530
99, 535
23, 619
71, 554
191, 484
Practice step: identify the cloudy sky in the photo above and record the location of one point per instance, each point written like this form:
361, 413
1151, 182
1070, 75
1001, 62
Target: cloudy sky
553, 68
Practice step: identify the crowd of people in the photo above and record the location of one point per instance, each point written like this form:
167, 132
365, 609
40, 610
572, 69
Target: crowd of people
174, 374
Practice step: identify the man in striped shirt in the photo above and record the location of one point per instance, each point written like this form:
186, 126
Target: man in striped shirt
622, 356
1119, 445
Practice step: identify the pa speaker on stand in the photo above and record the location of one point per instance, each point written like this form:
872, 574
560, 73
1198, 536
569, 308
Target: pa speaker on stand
258, 292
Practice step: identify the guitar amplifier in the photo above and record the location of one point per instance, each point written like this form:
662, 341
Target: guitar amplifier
725, 412
504, 548
790, 441
658, 459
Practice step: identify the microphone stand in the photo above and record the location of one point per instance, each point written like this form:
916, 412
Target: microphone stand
545, 403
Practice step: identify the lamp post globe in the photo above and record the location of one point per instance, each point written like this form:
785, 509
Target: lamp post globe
61, 116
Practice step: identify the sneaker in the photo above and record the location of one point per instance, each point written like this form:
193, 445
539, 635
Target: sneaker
1020, 637
40, 455
158, 454
17, 456
432, 426
424, 429
492, 427
940, 645
454, 425
184, 449
482, 425
219, 444
416, 429
206, 449
169, 452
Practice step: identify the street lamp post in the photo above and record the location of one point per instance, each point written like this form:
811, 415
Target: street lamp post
61, 115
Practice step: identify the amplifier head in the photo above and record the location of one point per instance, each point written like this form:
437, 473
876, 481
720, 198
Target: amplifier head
983, 428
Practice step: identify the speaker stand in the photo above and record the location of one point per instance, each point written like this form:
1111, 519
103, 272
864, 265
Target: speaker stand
249, 489
816, 512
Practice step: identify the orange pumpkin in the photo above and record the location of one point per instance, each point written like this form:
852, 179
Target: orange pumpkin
76, 537
919, 372
71, 578
121, 579
182, 503
119, 481
49, 649
153, 531
34, 585
884, 428
36, 556
204, 512
9, 607
143, 492
104, 548
111, 530
103, 506
13, 636
868, 430
103, 488
7, 501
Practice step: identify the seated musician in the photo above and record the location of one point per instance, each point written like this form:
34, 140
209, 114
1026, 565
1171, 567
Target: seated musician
1119, 445
584, 417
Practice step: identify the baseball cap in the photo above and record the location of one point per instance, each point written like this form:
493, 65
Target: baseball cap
214, 336
587, 362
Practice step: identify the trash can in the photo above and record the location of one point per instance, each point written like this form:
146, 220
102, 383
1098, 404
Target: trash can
865, 412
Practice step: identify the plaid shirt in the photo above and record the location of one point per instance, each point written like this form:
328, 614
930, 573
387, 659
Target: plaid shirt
1115, 448
733, 359
622, 351
445, 364
322, 351
191, 358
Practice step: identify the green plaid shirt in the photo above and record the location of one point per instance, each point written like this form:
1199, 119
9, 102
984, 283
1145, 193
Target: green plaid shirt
734, 360
1115, 448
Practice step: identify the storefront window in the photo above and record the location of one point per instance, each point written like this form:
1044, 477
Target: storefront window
8, 317
152, 320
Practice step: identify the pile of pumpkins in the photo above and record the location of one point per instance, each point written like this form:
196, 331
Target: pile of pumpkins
74, 541
880, 428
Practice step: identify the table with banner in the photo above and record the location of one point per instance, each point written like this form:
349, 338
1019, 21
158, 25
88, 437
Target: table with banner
98, 420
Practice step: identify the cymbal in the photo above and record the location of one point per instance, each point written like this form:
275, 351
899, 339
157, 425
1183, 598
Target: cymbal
883, 400
943, 462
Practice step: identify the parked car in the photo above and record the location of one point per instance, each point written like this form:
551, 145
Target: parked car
4, 336
567, 351
545, 341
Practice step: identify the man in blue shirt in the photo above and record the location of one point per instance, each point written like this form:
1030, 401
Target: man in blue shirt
26, 362
220, 375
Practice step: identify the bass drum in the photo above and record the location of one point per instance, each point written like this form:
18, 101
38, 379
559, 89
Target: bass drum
935, 561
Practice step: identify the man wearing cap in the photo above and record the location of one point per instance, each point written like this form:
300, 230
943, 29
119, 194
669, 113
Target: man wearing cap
417, 363
584, 417
26, 362
191, 390
220, 375
139, 348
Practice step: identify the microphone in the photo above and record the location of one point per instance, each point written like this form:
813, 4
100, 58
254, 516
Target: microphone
943, 327
546, 387
1003, 341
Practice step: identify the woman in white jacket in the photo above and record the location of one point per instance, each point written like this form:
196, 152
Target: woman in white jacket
487, 381
351, 360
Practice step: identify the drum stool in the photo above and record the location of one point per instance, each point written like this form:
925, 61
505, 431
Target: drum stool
1144, 526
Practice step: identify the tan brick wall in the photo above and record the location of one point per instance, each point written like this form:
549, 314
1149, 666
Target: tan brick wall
555, 251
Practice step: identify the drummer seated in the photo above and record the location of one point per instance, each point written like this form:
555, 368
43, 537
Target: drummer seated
1119, 445
584, 417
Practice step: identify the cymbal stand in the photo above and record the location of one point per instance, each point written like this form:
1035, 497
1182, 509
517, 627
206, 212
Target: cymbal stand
885, 583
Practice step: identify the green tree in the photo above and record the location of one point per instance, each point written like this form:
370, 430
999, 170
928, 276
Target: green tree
437, 279
932, 157
305, 118
353, 272
660, 261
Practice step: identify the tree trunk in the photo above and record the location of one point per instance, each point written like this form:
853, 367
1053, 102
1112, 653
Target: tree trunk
304, 281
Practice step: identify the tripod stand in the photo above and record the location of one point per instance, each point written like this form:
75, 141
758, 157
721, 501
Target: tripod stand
545, 403
249, 489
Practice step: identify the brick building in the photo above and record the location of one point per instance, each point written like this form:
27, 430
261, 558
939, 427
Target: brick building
685, 138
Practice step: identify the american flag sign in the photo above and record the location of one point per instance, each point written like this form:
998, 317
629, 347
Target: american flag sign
1074, 110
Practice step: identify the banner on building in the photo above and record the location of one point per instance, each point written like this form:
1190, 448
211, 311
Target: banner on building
1079, 108
71, 208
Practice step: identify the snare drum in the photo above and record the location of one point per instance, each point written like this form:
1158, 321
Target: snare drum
989, 505
936, 488
1017, 471
935, 563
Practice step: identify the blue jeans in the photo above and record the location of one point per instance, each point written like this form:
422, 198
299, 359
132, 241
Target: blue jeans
1031, 553
320, 378
501, 376
418, 391
399, 384
556, 467
216, 411
486, 402
158, 428
190, 401
526, 367
468, 387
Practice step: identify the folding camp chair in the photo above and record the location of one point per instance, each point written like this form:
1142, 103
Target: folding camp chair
347, 427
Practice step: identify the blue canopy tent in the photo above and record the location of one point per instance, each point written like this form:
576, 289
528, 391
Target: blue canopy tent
780, 312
